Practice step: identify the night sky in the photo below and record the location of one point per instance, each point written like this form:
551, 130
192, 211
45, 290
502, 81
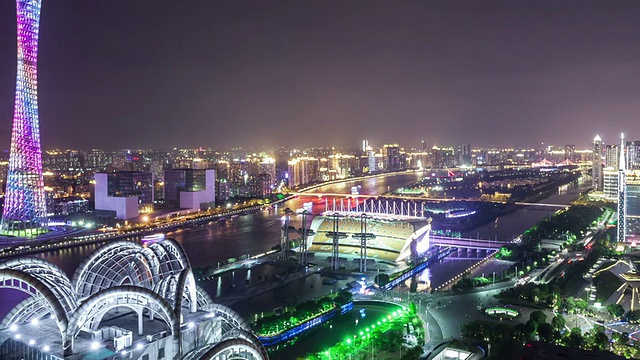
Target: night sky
156, 73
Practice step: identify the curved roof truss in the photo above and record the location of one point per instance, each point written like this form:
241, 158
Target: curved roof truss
19, 280
51, 275
89, 314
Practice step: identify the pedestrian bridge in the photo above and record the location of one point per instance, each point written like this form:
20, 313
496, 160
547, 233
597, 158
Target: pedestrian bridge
417, 198
477, 244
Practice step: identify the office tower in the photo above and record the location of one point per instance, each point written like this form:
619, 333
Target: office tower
463, 155
633, 193
24, 206
633, 155
610, 183
303, 170
391, 157
371, 161
612, 156
596, 163
443, 158
622, 194
570, 152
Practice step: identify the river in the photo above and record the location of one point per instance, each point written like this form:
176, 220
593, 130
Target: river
209, 244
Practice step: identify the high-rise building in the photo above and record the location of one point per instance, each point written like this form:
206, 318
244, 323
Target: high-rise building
303, 170
570, 152
622, 194
596, 163
633, 155
190, 188
443, 158
222, 190
612, 156
463, 155
391, 157
610, 183
372, 161
633, 194
25, 209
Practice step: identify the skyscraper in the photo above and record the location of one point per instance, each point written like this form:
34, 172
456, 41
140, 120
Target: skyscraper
596, 171
612, 156
622, 194
24, 210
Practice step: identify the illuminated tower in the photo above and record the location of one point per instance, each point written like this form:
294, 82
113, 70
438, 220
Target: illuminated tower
596, 171
622, 193
24, 210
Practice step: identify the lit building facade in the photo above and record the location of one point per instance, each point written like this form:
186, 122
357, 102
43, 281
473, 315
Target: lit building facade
25, 211
611, 156
391, 157
610, 183
463, 155
633, 155
596, 172
633, 193
443, 158
190, 188
303, 170
622, 194
123, 194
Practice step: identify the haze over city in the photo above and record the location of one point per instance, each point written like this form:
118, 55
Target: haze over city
220, 74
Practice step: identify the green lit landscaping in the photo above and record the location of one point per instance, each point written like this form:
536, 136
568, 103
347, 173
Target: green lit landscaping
502, 312
371, 327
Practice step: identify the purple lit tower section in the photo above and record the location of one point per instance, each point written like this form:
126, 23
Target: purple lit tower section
24, 212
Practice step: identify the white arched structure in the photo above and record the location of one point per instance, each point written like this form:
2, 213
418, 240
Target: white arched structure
90, 313
117, 263
156, 279
155, 267
230, 318
50, 275
235, 344
45, 300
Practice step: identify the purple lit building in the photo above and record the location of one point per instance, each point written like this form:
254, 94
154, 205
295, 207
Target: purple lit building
24, 212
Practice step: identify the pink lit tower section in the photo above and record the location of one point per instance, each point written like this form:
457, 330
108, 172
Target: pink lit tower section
24, 212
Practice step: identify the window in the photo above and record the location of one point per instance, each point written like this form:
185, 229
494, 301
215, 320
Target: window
161, 353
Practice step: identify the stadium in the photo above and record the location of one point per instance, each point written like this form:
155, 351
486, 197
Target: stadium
392, 240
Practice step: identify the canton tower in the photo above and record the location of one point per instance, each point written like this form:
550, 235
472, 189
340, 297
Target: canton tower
24, 212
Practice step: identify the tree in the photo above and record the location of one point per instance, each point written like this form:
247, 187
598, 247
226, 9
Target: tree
545, 332
596, 339
558, 322
633, 315
620, 339
581, 304
381, 279
538, 317
413, 308
531, 328
574, 338
343, 297
569, 304
616, 310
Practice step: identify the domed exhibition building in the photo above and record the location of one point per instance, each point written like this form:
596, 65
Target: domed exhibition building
124, 301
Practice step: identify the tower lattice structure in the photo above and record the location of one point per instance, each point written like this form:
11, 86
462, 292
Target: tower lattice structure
24, 210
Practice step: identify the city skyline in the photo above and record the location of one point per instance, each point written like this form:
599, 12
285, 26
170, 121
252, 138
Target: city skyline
216, 74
